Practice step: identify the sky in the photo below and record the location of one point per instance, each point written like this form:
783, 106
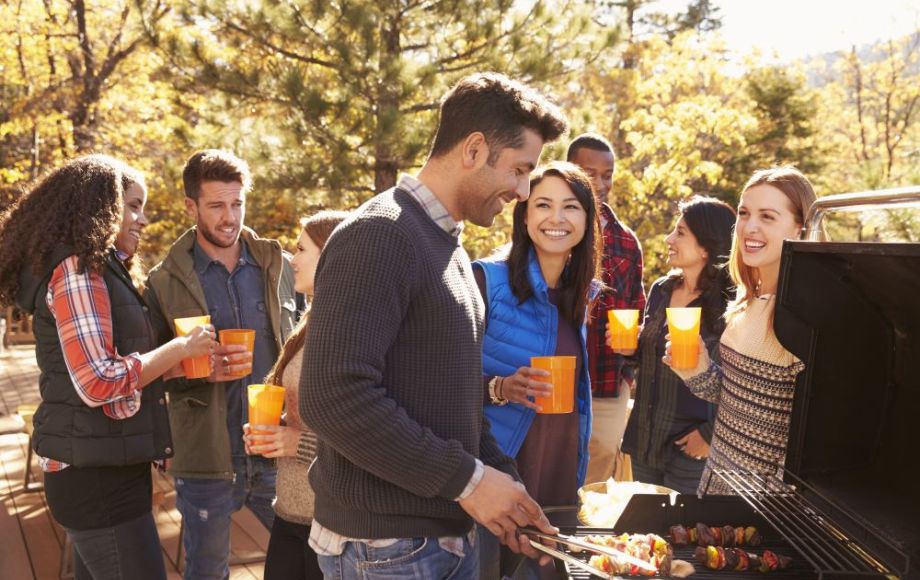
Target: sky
794, 29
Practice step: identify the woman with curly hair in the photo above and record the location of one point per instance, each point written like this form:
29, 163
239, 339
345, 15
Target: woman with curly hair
65, 248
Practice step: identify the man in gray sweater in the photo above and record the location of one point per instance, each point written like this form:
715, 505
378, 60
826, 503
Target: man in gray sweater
392, 374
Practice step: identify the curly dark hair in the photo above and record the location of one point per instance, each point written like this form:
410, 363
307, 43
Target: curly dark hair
78, 206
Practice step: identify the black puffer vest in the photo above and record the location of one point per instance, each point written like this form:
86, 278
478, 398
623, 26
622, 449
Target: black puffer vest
66, 429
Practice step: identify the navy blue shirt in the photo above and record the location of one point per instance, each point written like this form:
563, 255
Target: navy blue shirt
237, 300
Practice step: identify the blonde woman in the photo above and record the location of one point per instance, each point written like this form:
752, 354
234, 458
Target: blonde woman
755, 382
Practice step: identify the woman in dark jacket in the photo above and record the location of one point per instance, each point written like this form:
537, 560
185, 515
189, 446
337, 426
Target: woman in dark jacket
669, 429
65, 257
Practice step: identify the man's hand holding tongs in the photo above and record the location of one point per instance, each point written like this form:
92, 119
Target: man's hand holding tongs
502, 505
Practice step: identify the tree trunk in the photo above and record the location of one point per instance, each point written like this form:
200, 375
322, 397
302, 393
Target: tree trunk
386, 163
857, 70
81, 116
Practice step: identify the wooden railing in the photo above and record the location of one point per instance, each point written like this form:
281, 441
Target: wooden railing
18, 327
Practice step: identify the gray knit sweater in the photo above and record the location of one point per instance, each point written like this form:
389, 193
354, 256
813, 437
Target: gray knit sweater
392, 380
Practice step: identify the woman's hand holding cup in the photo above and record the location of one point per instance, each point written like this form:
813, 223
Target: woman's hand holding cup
702, 362
271, 440
200, 341
524, 385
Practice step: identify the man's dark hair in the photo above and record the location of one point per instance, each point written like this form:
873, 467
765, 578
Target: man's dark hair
500, 109
592, 141
214, 165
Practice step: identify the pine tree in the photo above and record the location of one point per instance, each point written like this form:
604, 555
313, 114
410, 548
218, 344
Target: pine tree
348, 91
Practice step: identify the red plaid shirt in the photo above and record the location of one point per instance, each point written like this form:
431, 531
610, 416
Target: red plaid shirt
79, 303
621, 272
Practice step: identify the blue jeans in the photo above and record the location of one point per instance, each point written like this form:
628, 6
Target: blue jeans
130, 550
421, 558
681, 473
207, 505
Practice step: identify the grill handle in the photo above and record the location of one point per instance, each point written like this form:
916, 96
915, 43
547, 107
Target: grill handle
855, 201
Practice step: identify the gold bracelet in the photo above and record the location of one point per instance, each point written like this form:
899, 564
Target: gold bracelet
493, 394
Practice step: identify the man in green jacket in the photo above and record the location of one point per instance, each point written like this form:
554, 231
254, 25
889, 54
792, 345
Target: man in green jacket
222, 269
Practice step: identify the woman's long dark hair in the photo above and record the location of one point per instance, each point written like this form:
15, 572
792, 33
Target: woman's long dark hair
78, 206
575, 283
318, 227
711, 221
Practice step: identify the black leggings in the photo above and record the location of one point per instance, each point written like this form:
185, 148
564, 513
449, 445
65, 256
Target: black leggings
289, 553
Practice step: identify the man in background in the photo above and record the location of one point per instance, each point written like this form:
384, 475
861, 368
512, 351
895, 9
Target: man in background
621, 272
222, 269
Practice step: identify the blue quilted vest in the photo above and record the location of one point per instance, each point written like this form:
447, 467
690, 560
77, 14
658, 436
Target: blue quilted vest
514, 333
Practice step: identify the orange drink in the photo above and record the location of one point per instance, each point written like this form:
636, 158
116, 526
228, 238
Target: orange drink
239, 336
684, 326
265, 404
196, 367
562, 377
624, 328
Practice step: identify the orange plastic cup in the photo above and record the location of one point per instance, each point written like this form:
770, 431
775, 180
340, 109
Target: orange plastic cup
239, 336
624, 328
562, 377
265, 404
684, 326
196, 367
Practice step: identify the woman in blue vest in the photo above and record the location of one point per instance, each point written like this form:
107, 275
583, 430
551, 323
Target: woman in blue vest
65, 256
536, 296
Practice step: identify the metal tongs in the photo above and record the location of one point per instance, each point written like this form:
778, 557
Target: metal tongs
574, 542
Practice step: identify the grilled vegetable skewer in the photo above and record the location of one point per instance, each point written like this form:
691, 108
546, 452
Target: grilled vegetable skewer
726, 536
719, 558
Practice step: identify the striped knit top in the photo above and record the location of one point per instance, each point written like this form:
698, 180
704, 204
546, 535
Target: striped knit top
753, 388
294, 500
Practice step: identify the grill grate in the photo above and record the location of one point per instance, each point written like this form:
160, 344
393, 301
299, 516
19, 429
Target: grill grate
817, 538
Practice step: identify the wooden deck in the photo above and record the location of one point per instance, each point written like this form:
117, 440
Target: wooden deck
31, 542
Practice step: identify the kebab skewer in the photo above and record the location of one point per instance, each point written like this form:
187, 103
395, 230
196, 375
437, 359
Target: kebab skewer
719, 558
726, 536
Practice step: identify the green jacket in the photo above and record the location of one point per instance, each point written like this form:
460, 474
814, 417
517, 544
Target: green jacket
197, 408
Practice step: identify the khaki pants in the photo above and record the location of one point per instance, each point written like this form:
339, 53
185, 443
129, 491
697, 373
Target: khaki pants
607, 426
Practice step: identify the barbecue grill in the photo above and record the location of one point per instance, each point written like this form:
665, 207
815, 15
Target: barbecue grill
845, 504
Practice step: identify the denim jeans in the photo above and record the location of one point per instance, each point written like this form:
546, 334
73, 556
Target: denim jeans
421, 558
207, 505
127, 551
681, 473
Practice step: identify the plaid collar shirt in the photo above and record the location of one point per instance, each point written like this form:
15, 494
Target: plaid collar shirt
431, 204
621, 273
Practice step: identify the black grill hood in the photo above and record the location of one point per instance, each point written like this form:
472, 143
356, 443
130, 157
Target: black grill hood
851, 312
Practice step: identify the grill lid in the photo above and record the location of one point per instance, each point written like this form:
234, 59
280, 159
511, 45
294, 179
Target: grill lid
851, 312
